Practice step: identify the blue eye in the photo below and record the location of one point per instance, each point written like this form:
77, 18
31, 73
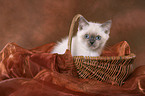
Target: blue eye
87, 36
98, 37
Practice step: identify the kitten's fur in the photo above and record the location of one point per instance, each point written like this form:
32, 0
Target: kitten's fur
89, 41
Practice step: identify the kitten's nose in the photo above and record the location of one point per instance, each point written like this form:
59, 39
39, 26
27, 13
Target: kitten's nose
92, 40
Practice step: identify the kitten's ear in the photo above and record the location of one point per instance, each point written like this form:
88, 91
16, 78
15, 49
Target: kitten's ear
107, 26
82, 23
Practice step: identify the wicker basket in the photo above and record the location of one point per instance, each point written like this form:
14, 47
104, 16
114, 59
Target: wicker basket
112, 69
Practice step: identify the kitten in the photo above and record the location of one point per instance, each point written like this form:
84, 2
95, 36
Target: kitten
89, 41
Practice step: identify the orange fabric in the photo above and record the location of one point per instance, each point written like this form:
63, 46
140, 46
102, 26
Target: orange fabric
36, 72
119, 49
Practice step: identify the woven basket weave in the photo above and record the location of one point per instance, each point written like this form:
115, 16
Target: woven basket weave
111, 69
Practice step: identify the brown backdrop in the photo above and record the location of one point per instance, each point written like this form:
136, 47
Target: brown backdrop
32, 23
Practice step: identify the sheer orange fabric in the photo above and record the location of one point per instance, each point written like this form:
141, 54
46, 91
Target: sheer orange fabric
36, 72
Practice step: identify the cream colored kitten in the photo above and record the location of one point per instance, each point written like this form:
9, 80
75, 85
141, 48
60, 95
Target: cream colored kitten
89, 41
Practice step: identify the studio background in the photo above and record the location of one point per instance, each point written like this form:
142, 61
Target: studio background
32, 23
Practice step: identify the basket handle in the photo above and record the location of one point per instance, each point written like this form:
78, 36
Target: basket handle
72, 29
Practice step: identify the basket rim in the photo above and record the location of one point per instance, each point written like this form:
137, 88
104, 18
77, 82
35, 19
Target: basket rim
126, 57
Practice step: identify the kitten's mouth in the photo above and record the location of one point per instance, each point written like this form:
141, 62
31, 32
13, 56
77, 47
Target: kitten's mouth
94, 47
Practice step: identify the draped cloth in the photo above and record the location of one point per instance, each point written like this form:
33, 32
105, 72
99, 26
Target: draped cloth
37, 72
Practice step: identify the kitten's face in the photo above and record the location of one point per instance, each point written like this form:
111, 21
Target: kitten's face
93, 35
